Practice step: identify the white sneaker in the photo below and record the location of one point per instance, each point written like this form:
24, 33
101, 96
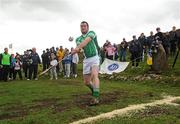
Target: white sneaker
95, 101
75, 75
36, 79
28, 79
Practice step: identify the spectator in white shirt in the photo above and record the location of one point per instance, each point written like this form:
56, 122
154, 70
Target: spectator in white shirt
17, 68
53, 63
75, 60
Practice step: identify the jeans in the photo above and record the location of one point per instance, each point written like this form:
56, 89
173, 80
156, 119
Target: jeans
67, 70
25, 69
53, 72
123, 55
33, 70
19, 73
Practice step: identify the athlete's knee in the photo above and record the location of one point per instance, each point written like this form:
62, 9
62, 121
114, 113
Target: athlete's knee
86, 81
94, 73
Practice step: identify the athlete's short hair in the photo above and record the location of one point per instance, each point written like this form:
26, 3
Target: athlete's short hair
85, 23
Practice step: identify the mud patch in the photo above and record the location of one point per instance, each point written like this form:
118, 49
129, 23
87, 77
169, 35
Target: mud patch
46, 102
3, 92
15, 111
19, 110
52, 103
12, 115
61, 108
83, 100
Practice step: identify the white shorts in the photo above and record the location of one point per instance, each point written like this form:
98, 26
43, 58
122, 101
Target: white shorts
88, 63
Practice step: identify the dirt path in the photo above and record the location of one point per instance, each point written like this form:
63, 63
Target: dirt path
119, 112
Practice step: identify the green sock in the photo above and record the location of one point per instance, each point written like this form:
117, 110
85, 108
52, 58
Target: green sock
96, 92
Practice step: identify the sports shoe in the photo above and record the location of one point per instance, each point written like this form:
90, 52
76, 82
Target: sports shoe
75, 76
28, 79
95, 101
36, 79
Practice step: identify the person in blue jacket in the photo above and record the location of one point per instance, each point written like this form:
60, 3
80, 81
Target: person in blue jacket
67, 62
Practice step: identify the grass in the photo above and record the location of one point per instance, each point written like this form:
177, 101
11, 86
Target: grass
66, 100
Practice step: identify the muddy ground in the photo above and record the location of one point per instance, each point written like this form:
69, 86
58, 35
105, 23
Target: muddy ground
18, 110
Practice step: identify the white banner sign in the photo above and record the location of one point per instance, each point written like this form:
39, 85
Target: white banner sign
110, 66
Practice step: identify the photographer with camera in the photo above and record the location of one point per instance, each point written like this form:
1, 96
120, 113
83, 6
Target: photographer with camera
34, 61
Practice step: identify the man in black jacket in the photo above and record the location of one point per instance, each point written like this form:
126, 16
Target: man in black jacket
166, 44
150, 40
26, 63
35, 60
173, 41
44, 60
163, 39
48, 55
135, 50
123, 49
143, 41
160, 35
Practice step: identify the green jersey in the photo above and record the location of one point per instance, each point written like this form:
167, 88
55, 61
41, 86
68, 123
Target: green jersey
92, 48
6, 59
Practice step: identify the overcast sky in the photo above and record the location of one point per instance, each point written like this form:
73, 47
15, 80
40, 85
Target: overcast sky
47, 23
